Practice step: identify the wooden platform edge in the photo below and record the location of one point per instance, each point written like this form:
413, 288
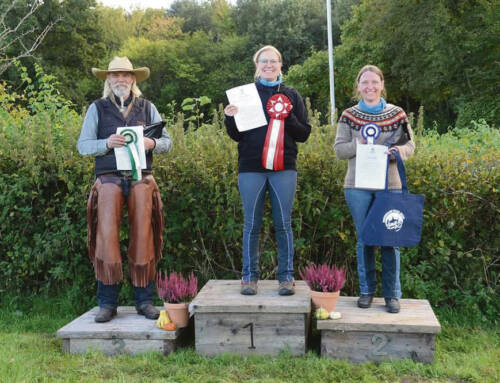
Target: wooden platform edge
266, 300
109, 330
397, 323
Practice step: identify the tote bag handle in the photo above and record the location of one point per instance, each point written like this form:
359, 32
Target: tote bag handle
401, 170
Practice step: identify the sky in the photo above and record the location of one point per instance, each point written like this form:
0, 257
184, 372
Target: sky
130, 4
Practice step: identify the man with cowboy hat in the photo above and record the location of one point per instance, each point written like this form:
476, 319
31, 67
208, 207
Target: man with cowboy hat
120, 106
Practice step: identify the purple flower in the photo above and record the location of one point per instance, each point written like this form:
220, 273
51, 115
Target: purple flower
176, 289
323, 278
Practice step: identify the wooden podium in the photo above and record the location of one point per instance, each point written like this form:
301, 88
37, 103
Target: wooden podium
266, 323
375, 335
126, 333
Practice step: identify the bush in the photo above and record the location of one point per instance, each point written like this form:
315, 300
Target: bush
44, 184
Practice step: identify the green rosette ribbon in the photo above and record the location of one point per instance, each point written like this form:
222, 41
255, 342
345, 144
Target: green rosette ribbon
133, 152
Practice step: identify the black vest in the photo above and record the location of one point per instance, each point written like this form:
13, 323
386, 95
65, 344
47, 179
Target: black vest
111, 118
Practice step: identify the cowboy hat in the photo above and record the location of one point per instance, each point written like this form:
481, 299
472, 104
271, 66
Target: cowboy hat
122, 64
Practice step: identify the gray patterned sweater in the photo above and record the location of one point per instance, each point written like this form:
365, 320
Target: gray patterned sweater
395, 131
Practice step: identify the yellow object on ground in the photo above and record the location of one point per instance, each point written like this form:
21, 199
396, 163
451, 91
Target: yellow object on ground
163, 319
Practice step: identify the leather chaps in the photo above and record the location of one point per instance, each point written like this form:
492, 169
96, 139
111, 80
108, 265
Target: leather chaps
104, 214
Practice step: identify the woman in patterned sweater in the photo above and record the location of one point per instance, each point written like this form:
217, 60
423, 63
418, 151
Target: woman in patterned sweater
396, 134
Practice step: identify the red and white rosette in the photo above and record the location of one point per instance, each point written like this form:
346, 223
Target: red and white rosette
278, 107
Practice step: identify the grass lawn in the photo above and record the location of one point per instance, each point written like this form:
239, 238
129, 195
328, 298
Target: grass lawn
30, 352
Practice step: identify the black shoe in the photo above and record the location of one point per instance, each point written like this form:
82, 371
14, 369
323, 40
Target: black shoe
392, 305
105, 315
148, 310
365, 301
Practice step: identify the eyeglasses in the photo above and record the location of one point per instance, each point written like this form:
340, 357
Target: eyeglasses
265, 61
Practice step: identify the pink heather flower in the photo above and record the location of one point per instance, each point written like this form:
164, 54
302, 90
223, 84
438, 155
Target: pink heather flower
174, 288
323, 278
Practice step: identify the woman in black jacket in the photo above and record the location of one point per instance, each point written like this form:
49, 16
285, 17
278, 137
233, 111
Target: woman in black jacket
267, 161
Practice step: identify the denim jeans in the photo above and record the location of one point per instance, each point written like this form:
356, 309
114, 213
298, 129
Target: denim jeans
107, 295
281, 186
359, 202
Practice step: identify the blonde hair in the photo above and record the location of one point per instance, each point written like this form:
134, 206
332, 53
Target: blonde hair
107, 91
258, 53
368, 68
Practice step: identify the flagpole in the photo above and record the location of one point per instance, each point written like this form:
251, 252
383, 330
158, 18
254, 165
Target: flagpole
330, 58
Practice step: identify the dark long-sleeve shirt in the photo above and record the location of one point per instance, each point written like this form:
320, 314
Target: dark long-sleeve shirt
251, 142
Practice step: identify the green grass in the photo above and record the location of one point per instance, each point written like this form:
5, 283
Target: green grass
30, 352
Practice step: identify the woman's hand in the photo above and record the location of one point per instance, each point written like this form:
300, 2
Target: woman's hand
230, 110
391, 151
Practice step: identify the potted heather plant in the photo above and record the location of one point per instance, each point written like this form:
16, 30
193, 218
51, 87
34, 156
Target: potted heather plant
325, 283
176, 292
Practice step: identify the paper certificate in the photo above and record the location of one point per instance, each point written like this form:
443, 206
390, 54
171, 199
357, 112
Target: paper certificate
250, 112
371, 166
122, 154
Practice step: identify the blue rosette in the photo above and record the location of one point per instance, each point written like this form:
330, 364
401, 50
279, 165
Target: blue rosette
370, 132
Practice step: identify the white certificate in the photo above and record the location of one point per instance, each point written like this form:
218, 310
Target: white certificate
121, 154
371, 166
250, 112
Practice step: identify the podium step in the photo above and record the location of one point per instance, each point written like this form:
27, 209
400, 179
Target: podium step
126, 333
266, 323
374, 334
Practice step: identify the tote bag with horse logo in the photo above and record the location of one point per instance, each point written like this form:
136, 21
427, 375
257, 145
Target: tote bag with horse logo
394, 219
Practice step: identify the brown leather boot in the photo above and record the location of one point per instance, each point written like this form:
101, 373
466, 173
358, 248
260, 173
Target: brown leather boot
148, 310
104, 315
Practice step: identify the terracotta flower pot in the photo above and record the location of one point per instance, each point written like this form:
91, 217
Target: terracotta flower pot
178, 313
326, 300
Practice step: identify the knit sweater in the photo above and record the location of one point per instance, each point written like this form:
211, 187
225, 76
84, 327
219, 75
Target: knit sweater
392, 121
251, 142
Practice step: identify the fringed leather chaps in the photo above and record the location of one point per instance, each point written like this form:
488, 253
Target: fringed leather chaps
104, 213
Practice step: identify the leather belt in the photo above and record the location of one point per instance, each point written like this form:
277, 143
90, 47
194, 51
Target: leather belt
125, 182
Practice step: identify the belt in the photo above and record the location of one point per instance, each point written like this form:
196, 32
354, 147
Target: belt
125, 182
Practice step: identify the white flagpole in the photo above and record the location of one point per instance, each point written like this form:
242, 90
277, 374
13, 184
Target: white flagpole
330, 58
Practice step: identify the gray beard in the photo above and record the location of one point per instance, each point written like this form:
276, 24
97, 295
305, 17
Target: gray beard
121, 91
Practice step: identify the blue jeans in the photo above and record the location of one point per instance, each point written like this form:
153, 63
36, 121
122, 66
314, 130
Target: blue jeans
253, 187
359, 202
107, 295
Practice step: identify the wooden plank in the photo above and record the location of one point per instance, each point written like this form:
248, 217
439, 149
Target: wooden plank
126, 325
224, 296
416, 316
361, 346
120, 346
250, 334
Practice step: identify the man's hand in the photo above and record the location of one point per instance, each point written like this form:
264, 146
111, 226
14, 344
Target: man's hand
115, 141
149, 143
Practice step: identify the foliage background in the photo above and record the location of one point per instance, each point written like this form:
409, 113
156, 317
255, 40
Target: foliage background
44, 184
441, 54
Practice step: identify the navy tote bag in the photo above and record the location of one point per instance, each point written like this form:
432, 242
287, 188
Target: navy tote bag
394, 219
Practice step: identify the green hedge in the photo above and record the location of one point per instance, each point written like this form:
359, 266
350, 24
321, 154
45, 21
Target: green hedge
44, 184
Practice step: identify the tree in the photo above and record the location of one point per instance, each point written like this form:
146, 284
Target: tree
342, 11
20, 35
441, 54
295, 27
73, 47
196, 14
190, 66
